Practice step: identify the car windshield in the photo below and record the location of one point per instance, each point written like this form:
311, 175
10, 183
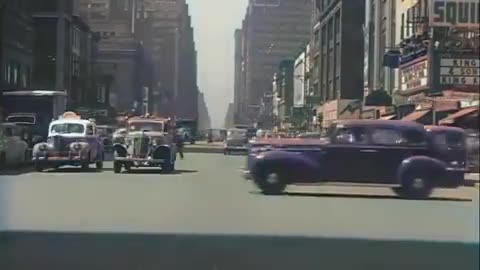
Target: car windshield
236, 133
67, 128
146, 126
21, 119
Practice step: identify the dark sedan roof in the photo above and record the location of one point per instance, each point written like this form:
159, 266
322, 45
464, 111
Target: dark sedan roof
401, 124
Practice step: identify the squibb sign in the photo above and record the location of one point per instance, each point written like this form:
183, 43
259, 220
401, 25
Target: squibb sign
455, 13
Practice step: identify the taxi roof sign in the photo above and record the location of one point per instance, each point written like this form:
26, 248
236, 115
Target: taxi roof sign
70, 115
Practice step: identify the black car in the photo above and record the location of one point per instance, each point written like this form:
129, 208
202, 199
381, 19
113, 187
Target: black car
400, 154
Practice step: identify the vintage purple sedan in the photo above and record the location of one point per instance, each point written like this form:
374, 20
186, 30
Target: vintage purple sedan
71, 141
398, 154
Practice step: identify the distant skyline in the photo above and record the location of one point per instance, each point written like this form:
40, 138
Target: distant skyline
214, 23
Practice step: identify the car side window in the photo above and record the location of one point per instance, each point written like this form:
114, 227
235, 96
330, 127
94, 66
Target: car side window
90, 130
384, 136
349, 135
415, 137
9, 132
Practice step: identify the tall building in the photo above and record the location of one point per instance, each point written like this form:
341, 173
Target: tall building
147, 55
229, 123
237, 89
381, 27
64, 50
120, 66
273, 30
204, 120
186, 101
338, 42
16, 50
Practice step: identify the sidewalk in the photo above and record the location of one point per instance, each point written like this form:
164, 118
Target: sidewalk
472, 179
204, 147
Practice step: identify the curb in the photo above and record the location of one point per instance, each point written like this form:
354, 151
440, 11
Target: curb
204, 150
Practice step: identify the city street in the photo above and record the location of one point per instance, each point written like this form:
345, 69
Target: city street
208, 195
206, 216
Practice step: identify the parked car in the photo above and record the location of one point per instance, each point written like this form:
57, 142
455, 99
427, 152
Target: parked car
148, 143
236, 141
71, 141
398, 154
13, 150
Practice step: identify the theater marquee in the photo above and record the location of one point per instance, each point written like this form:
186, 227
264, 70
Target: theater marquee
459, 72
414, 76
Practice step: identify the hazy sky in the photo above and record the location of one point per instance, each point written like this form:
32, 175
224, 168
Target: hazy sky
214, 22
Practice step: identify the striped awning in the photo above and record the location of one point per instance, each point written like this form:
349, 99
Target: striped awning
387, 117
461, 113
414, 116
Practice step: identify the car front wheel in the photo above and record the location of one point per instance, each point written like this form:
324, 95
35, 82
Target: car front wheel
117, 167
38, 167
271, 181
415, 185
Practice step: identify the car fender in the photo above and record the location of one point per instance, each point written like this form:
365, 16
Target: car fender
36, 148
295, 164
433, 167
120, 149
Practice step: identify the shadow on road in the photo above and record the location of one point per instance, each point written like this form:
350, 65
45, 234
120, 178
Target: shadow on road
16, 171
361, 196
158, 171
55, 251
73, 170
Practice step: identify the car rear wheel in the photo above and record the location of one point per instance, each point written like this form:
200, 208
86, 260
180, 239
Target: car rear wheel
117, 167
168, 167
38, 167
99, 165
415, 185
85, 166
272, 181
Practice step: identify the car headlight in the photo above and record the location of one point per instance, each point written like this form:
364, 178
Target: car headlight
42, 147
76, 147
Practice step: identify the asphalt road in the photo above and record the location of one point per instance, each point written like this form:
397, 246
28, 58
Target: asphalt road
207, 196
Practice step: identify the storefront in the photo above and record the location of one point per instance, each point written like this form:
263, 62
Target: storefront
340, 110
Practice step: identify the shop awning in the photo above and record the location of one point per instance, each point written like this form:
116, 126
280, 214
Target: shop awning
461, 113
387, 117
414, 116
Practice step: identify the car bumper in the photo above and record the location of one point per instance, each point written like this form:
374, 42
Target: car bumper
247, 175
140, 160
60, 160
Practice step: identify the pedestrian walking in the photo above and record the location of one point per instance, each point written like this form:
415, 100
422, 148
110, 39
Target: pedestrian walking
180, 144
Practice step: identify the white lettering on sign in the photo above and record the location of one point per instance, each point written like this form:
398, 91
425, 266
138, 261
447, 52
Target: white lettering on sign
459, 62
458, 71
458, 80
455, 13
414, 76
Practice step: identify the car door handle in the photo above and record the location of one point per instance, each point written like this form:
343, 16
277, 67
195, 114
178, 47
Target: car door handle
369, 151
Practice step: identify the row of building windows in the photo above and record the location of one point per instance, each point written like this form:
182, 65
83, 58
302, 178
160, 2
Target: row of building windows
14, 74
